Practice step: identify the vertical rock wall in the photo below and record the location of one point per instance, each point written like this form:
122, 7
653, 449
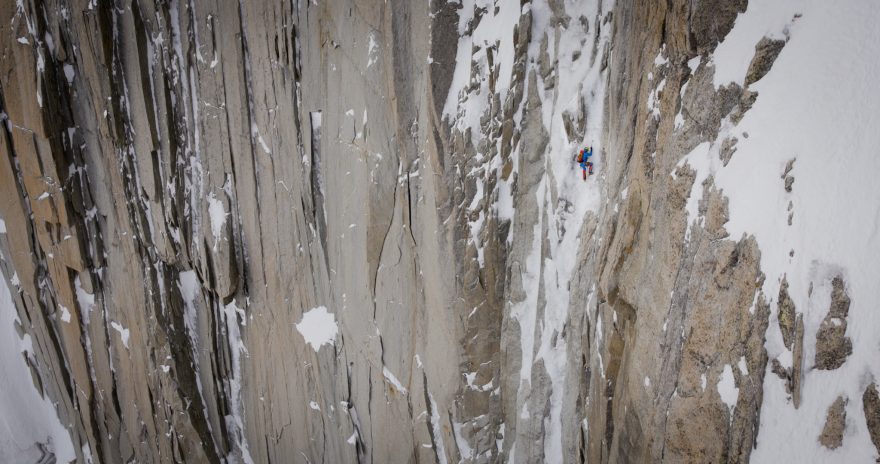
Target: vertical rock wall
182, 181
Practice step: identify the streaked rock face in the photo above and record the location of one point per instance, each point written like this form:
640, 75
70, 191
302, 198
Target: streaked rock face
189, 186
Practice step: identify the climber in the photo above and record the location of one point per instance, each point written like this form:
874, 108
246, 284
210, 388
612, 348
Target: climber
583, 158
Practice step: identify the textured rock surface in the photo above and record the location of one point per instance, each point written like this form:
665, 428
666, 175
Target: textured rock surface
871, 408
181, 181
832, 345
835, 422
766, 52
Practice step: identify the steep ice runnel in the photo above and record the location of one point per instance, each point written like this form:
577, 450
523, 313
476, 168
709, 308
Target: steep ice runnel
564, 199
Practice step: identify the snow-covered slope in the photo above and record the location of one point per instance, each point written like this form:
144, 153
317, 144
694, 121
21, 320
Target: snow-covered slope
816, 106
28, 421
355, 231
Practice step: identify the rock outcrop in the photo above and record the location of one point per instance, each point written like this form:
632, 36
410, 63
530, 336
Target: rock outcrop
835, 422
832, 345
871, 408
766, 52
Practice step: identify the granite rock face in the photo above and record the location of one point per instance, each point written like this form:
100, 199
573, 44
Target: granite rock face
835, 423
182, 182
871, 408
832, 345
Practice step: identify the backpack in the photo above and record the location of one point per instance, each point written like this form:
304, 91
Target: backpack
580, 158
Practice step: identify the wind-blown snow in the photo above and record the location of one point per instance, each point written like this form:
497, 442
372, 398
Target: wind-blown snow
727, 388
26, 417
654, 99
733, 55
389, 376
318, 327
123, 332
494, 27
258, 136
218, 217
703, 160
437, 431
743, 367
817, 105
69, 73
235, 420
372, 50
188, 284
464, 448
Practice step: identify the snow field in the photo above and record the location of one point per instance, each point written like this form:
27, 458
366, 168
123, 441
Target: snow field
817, 105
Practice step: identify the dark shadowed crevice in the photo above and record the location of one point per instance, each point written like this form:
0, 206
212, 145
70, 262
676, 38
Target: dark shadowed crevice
317, 181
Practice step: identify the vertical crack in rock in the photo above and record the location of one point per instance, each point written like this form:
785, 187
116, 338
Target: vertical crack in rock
187, 185
319, 211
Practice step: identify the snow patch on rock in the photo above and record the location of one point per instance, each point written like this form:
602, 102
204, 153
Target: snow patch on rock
218, 214
318, 327
727, 387
123, 332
